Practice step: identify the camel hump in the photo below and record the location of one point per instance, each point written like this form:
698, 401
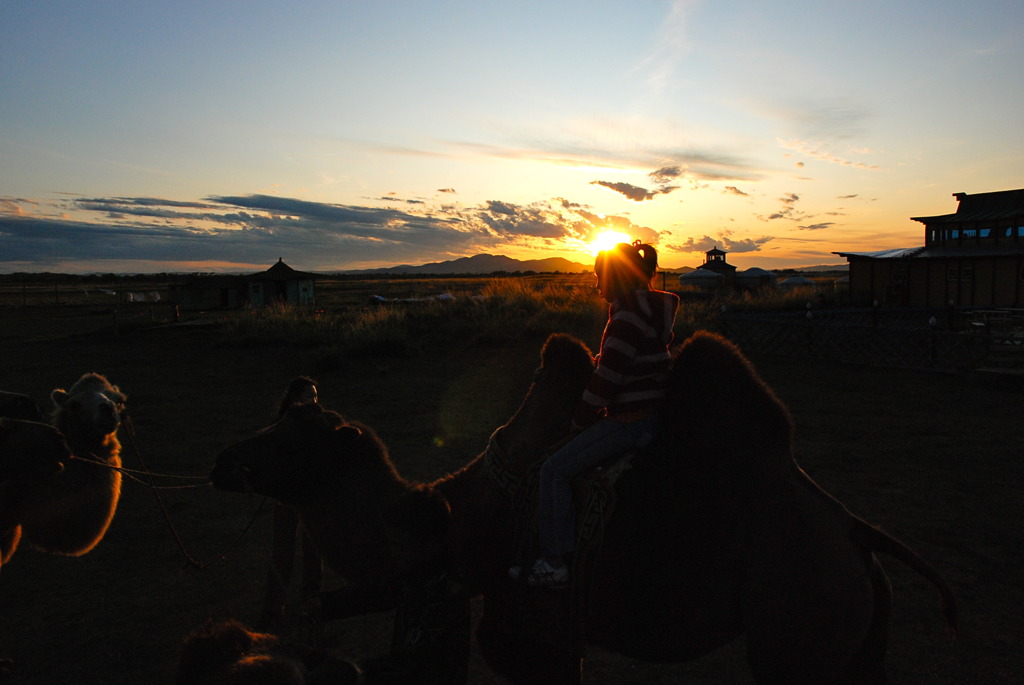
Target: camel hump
713, 390
568, 354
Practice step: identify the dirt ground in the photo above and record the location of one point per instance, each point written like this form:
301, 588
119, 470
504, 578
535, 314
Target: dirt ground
935, 459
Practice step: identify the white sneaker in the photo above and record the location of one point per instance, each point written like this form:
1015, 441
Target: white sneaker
543, 574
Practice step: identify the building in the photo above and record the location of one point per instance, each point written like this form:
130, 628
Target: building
971, 258
279, 283
714, 260
719, 276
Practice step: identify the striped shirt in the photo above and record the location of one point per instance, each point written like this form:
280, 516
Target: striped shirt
634, 359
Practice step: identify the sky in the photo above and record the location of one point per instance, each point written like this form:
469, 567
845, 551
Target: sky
141, 136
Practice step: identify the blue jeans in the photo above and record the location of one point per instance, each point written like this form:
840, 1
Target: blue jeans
591, 446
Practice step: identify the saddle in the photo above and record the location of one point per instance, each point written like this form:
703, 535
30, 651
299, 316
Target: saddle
555, 617
593, 496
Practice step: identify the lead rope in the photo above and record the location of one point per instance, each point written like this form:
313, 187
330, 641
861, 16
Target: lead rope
126, 421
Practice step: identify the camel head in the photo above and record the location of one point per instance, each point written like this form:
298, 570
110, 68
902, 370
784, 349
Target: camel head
290, 458
29, 449
90, 410
228, 652
545, 415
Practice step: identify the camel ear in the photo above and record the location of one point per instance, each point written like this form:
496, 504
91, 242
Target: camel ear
59, 396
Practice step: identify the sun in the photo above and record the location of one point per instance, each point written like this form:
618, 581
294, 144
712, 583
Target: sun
606, 240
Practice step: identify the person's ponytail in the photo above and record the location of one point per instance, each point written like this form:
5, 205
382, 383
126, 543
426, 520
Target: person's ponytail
648, 256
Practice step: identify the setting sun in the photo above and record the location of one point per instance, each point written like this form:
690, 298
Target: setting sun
605, 240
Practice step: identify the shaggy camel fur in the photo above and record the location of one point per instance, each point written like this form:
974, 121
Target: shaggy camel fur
69, 512
29, 451
716, 532
228, 653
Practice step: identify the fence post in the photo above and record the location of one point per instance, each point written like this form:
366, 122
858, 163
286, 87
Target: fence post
932, 335
810, 331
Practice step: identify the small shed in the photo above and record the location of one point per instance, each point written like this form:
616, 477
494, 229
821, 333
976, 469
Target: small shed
281, 283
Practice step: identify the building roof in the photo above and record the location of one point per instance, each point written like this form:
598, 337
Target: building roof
282, 272
900, 253
938, 252
980, 207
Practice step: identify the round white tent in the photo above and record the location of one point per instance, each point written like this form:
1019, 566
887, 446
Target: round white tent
705, 279
755, 277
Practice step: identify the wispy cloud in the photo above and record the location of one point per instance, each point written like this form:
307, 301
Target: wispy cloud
671, 45
787, 209
821, 152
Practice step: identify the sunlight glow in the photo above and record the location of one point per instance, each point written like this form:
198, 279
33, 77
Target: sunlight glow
605, 240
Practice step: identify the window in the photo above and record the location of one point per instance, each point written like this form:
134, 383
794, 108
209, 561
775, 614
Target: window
970, 233
966, 274
986, 232
955, 234
952, 274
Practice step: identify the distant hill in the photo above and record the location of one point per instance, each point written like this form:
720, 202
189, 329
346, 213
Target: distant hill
482, 264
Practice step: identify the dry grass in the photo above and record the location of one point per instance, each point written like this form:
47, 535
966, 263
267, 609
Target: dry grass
934, 459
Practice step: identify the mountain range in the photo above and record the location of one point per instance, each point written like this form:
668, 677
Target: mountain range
482, 264
489, 263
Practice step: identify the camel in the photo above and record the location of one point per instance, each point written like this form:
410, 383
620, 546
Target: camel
68, 512
716, 531
29, 451
228, 653
15, 405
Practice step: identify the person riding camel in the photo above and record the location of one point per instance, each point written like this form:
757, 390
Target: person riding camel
619, 409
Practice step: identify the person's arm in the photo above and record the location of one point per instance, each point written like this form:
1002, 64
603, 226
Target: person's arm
618, 348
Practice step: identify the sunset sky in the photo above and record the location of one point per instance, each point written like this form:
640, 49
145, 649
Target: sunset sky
180, 136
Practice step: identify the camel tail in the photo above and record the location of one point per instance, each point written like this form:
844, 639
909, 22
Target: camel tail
879, 541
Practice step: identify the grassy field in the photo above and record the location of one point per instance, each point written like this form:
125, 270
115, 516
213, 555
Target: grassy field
935, 459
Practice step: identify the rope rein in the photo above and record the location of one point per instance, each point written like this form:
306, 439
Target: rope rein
145, 477
134, 474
